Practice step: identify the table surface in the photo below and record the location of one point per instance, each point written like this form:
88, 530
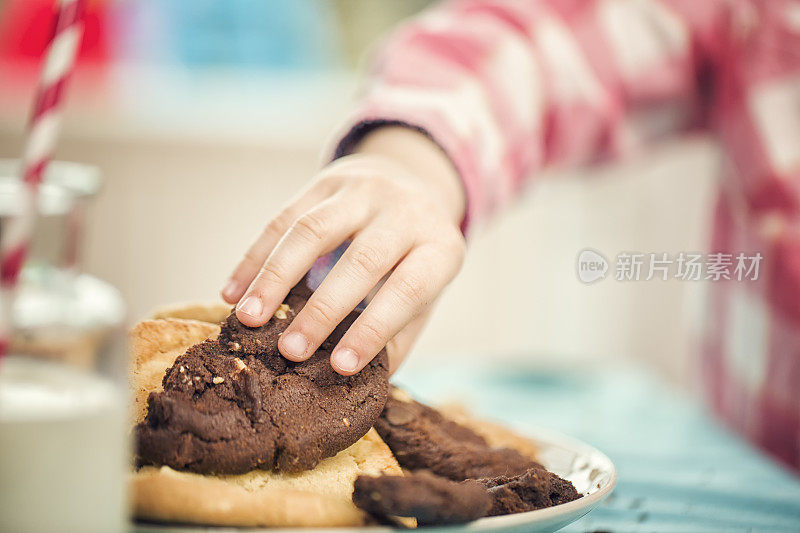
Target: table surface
679, 470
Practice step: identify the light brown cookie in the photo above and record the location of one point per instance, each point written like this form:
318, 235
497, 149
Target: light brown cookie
214, 312
154, 345
318, 497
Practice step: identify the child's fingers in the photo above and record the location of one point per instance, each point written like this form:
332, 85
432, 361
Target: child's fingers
411, 288
370, 256
258, 252
315, 233
255, 256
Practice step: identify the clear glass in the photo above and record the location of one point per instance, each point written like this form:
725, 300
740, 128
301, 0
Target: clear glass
63, 430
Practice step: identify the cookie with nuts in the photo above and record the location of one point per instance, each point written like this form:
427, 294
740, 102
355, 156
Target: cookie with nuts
233, 404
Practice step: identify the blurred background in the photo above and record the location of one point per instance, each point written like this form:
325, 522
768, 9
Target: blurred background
205, 116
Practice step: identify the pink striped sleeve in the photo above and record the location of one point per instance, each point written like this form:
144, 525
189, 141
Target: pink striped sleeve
465, 74
752, 359
506, 87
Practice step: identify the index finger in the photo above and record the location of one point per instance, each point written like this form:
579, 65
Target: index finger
257, 253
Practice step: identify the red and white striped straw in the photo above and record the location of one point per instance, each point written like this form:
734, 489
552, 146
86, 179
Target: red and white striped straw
41, 142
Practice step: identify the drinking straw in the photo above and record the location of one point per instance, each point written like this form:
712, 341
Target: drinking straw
43, 129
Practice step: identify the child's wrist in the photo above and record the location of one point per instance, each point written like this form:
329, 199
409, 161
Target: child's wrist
421, 157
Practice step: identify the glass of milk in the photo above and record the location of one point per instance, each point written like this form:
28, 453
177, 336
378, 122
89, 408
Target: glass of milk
63, 421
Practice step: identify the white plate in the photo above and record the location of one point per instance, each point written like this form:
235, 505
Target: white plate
590, 470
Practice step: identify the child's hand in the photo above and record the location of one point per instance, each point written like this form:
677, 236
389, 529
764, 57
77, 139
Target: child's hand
400, 203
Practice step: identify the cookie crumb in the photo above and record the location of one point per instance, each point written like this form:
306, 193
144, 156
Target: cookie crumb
281, 312
217, 380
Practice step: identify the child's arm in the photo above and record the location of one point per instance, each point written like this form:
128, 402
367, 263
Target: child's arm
400, 201
503, 88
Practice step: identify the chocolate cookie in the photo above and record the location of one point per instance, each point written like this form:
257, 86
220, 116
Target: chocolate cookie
422, 439
235, 404
535, 489
430, 499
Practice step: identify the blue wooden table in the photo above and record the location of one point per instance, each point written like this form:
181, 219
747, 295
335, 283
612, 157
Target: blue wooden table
679, 470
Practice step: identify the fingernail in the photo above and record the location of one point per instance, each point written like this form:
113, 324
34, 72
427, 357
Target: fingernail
294, 344
231, 288
345, 359
251, 306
